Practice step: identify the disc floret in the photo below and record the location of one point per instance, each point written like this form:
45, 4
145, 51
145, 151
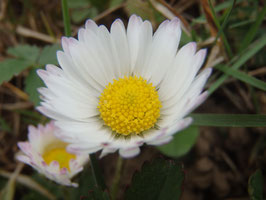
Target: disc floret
130, 105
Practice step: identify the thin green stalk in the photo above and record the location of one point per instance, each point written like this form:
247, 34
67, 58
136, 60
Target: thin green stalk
66, 18
229, 120
116, 181
47, 26
242, 76
253, 30
217, 23
228, 13
96, 172
249, 52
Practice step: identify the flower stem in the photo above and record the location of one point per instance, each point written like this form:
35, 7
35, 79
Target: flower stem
96, 173
116, 181
66, 18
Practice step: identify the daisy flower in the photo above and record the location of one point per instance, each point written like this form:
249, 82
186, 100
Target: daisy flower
47, 154
121, 89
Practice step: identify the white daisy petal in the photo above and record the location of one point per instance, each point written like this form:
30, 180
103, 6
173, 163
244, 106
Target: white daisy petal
169, 130
126, 143
97, 56
182, 64
180, 107
129, 153
91, 25
83, 60
75, 76
161, 141
83, 131
83, 148
121, 89
120, 47
133, 35
41, 150
143, 47
106, 151
23, 158
164, 47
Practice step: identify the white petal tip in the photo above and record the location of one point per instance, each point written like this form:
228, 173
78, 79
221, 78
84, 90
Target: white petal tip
129, 153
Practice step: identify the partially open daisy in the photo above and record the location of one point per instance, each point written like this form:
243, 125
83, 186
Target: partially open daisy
120, 89
48, 155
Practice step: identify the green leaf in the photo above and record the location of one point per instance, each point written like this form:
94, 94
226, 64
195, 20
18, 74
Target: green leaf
140, 8
12, 67
4, 126
78, 3
229, 120
87, 188
158, 180
181, 143
48, 54
101, 5
243, 77
255, 185
32, 117
114, 3
82, 14
184, 39
26, 52
32, 82
96, 172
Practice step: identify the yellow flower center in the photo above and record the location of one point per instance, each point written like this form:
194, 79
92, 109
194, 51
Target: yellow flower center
60, 155
130, 105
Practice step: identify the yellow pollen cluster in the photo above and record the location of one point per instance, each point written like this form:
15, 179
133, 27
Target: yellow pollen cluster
130, 105
60, 155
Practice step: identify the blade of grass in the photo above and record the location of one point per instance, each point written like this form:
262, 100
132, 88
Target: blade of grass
217, 23
217, 8
226, 19
30, 183
229, 120
97, 174
8, 192
249, 52
243, 77
241, 23
225, 5
66, 18
253, 30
